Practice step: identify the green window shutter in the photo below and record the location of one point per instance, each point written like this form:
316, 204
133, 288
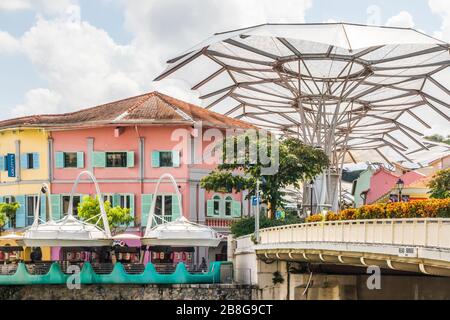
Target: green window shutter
24, 161
2, 163
132, 223
36, 161
43, 213
130, 159
59, 160
55, 202
176, 159
236, 209
20, 213
80, 159
155, 159
176, 210
2, 199
116, 200
210, 208
99, 159
146, 202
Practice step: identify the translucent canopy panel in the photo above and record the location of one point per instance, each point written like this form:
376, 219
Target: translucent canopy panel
67, 232
342, 87
182, 233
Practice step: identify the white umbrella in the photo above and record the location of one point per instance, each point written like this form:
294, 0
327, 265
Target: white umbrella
180, 232
126, 236
70, 231
361, 93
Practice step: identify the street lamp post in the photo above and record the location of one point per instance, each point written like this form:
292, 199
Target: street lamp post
400, 184
311, 187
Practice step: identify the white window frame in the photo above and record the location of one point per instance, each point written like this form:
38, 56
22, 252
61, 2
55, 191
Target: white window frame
68, 195
163, 195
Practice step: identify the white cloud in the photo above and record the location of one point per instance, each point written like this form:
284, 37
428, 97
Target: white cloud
441, 8
47, 6
404, 20
15, 5
80, 62
42, 101
84, 66
8, 44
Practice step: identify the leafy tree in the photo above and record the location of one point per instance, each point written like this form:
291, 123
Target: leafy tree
117, 216
3, 220
439, 138
440, 185
246, 225
297, 162
9, 211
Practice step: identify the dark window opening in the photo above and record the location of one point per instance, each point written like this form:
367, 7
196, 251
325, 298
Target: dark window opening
30, 160
165, 159
66, 201
70, 159
116, 159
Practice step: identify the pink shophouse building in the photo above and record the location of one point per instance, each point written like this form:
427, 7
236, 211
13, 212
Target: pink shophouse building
128, 145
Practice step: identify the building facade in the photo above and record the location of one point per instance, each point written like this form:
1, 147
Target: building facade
127, 145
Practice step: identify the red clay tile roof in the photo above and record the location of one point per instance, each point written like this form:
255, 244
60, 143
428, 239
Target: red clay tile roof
149, 108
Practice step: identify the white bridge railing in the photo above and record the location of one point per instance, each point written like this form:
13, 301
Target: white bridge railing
429, 232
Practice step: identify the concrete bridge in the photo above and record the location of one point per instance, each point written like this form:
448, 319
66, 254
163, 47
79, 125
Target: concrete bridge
415, 247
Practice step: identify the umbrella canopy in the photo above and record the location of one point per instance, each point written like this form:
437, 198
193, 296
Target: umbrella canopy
182, 232
343, 87
69, 231
361, 93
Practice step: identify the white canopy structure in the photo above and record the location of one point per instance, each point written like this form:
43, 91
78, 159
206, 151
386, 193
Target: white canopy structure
361, 93
178, 233
69, 231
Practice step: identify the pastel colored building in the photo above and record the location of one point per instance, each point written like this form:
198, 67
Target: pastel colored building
128, 145
374, 184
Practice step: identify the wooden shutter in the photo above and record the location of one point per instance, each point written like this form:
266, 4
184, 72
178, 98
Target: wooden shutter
176, 210
55, 202
210, 208
24, 161
176, 159
36, 161
43, 203
21, 212
59, 160
80, 159
155, 159
132, 211
146, 202
99, 159
116, 200
236, 210
130, 159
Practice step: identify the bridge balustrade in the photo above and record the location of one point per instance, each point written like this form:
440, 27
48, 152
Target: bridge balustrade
430, 232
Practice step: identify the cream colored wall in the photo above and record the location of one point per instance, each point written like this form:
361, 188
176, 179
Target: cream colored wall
31, 140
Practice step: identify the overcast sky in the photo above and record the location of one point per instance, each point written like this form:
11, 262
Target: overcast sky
63, 55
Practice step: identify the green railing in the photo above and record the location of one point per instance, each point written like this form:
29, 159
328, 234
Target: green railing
118, 275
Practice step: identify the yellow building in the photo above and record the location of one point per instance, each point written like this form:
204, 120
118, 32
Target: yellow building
24, 167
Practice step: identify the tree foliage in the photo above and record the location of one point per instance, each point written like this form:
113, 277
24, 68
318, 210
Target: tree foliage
246, 225
8, 211
297, 163
440, 185
439, 138
117, 216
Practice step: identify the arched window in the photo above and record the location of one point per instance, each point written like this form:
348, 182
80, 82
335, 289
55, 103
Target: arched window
216, 201
228, 202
